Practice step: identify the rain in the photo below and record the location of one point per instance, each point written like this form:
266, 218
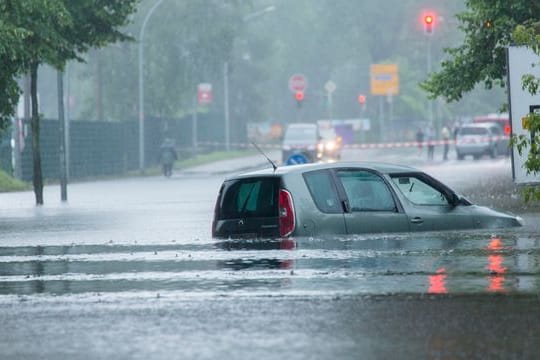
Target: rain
121, 262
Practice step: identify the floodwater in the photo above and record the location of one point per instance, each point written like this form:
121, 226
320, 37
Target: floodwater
128, 269
431, 263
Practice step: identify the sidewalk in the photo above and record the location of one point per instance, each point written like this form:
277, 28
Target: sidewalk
234, 165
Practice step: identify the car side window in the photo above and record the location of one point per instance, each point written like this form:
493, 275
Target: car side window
323, 191
366, 191
418, 191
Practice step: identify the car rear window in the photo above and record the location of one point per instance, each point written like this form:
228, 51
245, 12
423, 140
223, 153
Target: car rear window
247, 198
473, 131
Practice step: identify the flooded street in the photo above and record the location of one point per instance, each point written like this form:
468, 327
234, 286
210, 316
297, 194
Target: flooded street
128, 269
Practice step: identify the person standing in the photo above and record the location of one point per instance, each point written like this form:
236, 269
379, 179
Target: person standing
445, 134
419, 140
168, 156
430, 142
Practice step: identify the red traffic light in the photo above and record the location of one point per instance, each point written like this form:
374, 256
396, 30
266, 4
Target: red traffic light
361, 99
429, 23
299, 96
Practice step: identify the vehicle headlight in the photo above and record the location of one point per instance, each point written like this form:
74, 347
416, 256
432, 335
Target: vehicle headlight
320, 147
330, 145
520, 220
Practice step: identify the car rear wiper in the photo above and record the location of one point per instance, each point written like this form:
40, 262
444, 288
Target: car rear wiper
247, 199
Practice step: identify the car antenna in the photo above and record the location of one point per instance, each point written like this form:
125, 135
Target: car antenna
263, 154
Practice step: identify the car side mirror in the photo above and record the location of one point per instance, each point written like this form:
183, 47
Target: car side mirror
455, 200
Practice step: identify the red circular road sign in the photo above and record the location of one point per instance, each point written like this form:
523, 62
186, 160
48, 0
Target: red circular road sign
204, 93
297, 82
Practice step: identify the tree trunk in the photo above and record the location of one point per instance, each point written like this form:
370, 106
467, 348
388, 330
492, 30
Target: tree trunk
34, 125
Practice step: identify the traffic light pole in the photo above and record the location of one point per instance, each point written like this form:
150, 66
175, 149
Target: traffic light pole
226, 105
194, 126
428, 60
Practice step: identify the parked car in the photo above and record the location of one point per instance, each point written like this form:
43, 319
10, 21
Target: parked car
502, 119
343, 198
480, 139
301, 139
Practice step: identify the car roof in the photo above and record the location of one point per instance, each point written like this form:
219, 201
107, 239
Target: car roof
302, 125
486, 124
384, 168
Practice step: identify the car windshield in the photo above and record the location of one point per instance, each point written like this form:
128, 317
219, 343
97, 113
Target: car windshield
418, 191
328, 134
300, 134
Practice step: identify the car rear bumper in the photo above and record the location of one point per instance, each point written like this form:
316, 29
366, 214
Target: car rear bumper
473, 149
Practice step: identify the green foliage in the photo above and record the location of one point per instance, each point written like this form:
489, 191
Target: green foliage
488, 26
52, 31
8, 183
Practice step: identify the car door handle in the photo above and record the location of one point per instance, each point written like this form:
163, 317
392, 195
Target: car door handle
417, 220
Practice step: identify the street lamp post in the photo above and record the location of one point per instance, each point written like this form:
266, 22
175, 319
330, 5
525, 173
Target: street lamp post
141, 86
226, 78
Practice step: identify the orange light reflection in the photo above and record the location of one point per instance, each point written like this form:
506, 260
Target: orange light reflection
437, 283
495, 266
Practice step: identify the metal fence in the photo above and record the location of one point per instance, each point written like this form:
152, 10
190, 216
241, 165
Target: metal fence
107, 148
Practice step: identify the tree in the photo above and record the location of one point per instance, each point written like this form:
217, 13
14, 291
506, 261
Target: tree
10, 47
490, 26
53, 32
41, 25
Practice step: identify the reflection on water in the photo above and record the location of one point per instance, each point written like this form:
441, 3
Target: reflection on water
495, 265
278, 262
437, 282
433, 263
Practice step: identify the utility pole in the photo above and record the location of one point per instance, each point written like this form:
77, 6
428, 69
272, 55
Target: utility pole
62, 131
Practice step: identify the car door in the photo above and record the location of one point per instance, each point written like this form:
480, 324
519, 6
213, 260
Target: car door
429, 205
371, 206
322, 213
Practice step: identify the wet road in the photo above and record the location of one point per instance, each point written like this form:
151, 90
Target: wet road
128, 269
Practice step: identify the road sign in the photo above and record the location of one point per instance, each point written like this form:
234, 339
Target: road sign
297, 82
330, 86
204, 93
521, 61
384, 79
297, 159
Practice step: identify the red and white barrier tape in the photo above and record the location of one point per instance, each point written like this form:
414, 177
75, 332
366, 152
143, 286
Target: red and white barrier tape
389, 145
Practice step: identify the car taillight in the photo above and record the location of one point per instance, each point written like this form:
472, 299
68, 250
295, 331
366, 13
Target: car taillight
286, 213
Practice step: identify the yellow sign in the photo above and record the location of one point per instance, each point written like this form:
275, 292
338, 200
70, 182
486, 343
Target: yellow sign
384, 79
525, 122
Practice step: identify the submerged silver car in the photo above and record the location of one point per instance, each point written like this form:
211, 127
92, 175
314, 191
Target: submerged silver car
344, 198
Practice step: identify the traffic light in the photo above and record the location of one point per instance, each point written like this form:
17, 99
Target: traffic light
362, 99
299, 96
429, 20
